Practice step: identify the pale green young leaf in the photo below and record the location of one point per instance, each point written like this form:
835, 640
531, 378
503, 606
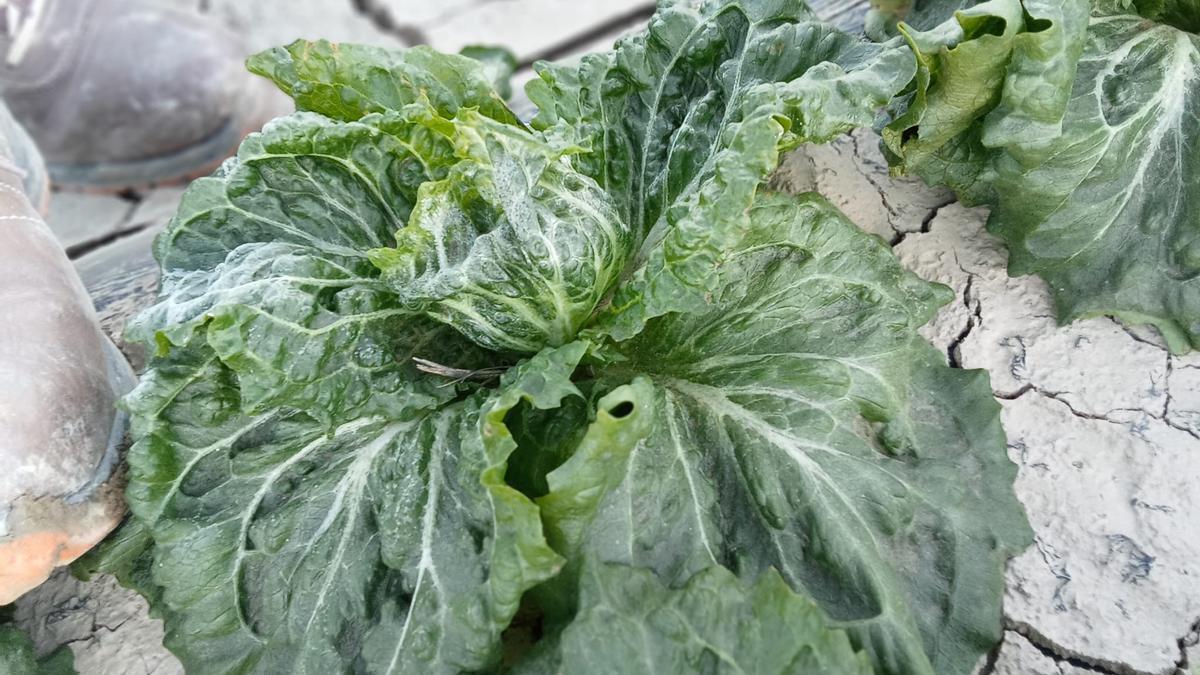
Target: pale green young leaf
513, 248
348, 81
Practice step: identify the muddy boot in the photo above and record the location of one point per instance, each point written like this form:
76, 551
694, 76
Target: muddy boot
124, 94
60, 377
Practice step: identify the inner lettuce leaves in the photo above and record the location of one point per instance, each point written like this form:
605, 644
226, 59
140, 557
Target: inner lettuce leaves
347, 81
434, 391
685, 120
1094, 186
513, 247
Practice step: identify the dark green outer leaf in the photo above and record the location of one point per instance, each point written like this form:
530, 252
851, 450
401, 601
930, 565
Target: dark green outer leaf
1181, 14
384, 545
714, 624
1107, 213
17, 656
801, 424
128, 555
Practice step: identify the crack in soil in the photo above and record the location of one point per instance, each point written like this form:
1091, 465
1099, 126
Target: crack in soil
1061, 654
975, 318
1187, 641
380, 15
1164, 416
126, 227
971, 301
1102, 417
1168, 401
573, 42
989, 665
870, 177
926, 222
1058, 396
1137, 338
1166, 411
123, 230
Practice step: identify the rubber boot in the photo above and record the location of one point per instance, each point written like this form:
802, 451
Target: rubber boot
125, 94
60, 378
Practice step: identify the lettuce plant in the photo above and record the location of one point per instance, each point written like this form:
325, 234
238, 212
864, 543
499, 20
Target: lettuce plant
1076, 122
434, 390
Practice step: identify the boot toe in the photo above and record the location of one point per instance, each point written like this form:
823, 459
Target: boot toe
152, 83
148, 95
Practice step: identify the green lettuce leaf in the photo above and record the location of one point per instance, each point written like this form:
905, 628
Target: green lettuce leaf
713, 624
267, 262
499, 64
513, 248
988, 74
348, 81
687, 119
960, 72
1075, 128
1107, 213
389, 543
1182, 14
17, 656
801, 424
128, 555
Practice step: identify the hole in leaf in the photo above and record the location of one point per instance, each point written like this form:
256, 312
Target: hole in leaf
977, 26
1033, 25
622, 409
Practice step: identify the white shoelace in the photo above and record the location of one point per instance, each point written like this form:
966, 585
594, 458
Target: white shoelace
20, 24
